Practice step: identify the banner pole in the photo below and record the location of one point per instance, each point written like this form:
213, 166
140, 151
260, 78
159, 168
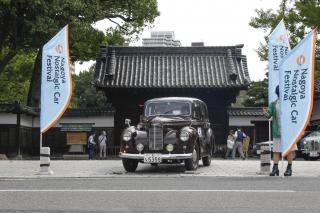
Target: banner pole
40, 141
282, 163
270, 135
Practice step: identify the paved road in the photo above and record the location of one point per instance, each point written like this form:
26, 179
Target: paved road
114, 168
161, 194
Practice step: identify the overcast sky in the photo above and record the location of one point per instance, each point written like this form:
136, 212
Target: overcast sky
214, 22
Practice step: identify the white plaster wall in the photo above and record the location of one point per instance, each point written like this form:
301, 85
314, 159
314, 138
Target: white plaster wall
98, 121
26, 120
8, 118
244, 120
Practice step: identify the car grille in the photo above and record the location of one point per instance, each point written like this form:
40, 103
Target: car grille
314, 146
155, 138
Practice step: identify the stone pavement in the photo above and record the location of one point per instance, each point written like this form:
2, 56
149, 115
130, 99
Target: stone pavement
113, 168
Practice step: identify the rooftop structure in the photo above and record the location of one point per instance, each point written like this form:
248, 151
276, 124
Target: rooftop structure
161, 39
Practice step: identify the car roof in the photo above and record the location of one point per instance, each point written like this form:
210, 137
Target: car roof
188, 99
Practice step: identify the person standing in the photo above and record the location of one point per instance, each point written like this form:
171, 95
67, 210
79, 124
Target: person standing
230, 143
273, 113
245, 146
103, 143
91, 145
239, 136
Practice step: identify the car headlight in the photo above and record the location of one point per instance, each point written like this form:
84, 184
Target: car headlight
127, 136
169, 147
184, 136
140, 147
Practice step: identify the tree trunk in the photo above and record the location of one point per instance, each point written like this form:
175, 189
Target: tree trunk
6, 60
35, 83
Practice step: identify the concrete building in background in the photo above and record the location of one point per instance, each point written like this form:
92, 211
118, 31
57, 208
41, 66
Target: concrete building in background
161, 39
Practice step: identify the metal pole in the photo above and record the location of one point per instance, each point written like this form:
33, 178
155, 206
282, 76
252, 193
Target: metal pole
18, 124
282, 165
18, 133
270, 135
40, 141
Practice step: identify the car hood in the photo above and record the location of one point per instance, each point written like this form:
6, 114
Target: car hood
169, 121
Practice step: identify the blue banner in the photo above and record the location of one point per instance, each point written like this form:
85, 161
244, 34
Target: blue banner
278, 48
296, 92
56, 85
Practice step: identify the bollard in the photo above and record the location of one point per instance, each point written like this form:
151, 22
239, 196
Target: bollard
265, 159
45, 161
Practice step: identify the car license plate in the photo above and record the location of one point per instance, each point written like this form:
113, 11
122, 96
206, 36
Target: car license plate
152, 158
314, 154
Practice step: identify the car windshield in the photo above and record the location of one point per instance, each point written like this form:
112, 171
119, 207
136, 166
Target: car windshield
167, 108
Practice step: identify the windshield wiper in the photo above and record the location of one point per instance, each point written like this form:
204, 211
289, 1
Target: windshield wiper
165, 113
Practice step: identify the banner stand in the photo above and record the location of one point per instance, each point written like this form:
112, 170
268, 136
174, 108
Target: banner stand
265, 156
44, 159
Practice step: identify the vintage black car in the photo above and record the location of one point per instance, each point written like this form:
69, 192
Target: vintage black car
310, 146
171, 130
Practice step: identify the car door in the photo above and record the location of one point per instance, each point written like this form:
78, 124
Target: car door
200, 126
207, 129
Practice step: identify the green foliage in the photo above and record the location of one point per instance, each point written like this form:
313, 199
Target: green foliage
114, 38
15, 80
257, 94
84, 93
299, 16
27, 25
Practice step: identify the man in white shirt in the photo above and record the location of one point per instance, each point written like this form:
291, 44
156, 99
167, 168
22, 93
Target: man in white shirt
103, 143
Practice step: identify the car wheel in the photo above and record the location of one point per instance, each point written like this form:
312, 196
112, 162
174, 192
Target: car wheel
192, 163
313, 158
206, 160
130, 165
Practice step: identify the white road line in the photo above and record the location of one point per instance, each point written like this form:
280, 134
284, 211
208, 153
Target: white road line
145, 190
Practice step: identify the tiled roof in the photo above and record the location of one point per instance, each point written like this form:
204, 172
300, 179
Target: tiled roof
12, 108
16, 107
171, 67
245, 111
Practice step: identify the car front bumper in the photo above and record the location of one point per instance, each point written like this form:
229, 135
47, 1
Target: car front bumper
163, 156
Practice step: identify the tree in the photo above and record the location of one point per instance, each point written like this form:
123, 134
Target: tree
257, 95
27, 25
15, 79
300, 17
84, 93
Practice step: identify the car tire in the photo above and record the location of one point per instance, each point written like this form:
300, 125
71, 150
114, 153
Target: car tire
130, 165
313, 158
192, 163
206, 160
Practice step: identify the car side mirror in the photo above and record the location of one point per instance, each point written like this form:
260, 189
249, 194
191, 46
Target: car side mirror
127, 122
